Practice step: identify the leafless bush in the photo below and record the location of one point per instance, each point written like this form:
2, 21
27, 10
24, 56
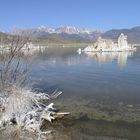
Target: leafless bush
12, 71
18, 103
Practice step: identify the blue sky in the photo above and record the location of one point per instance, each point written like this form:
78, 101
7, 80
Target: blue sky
92, 14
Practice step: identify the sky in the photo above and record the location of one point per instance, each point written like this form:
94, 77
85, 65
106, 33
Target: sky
91, 14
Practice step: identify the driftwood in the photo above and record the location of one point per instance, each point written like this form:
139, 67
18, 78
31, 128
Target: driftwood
27, 109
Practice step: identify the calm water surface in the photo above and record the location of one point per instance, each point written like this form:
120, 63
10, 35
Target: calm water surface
101, 74
95, 86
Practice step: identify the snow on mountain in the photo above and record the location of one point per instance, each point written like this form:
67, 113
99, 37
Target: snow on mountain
65, 29
72, 30
69, 31
45, 29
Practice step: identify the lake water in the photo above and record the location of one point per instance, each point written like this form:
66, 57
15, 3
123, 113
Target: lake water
101, 90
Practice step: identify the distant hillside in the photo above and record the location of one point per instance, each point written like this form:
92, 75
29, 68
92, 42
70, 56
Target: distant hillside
133, 34
66, 34
2, 34
72, 34
62, 38
69, 34
3, 38
67, 38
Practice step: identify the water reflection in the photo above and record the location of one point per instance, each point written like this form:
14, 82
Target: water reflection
108, 57
103, 93
53, 56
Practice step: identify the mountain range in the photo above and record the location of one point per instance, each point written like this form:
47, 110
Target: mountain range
63, 29
132, 33
73, 34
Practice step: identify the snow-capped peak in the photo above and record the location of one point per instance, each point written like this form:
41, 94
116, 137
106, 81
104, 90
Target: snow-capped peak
43, 28
63, 29
72, 30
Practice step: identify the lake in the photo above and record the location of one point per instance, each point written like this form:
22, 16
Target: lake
101, 90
